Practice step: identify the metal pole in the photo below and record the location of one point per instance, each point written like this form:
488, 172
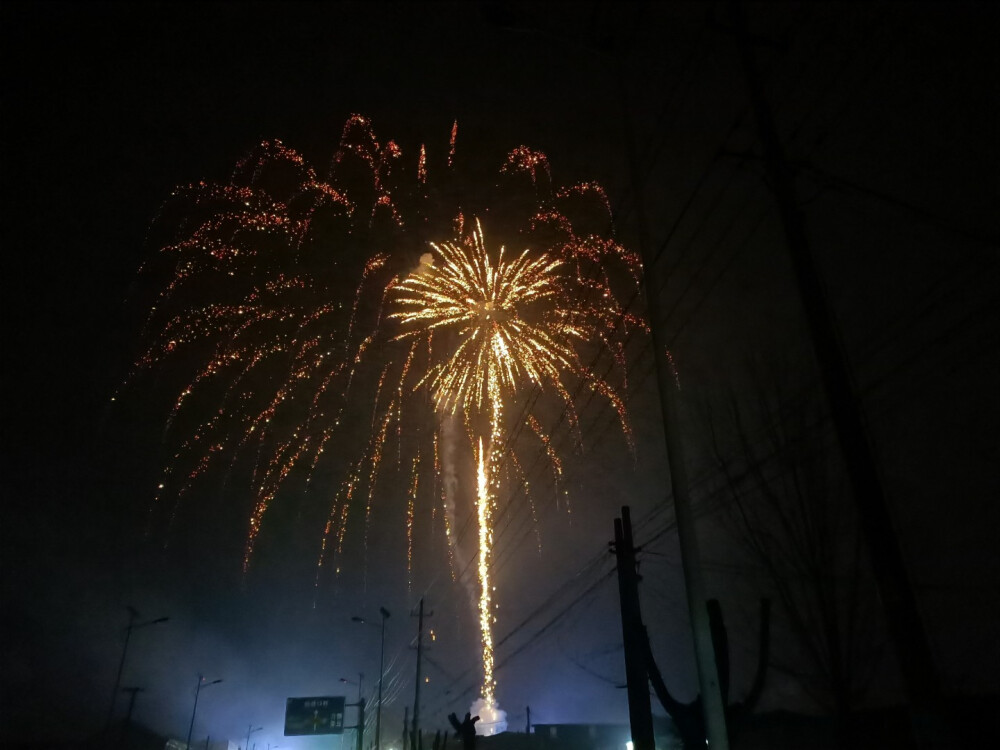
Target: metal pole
381, 670
132, 691
250, 730
197, 691
194, 710
132, 614
416, 692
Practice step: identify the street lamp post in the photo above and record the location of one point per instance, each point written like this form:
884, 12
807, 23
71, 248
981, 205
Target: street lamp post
250, 729
381, 670
133, 692
132, 625
197, 691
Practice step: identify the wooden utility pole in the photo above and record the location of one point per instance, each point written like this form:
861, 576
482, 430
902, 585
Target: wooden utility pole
900, 605
639, 713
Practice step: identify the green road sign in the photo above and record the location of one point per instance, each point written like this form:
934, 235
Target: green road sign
322, 715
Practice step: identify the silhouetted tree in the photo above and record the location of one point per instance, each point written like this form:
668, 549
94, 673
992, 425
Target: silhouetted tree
789, 508
689, 717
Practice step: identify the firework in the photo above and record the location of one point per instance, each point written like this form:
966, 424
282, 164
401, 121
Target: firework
510, 323
465, 343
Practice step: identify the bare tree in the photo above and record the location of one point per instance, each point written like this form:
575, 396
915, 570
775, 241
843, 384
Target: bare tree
688, 718
790, 507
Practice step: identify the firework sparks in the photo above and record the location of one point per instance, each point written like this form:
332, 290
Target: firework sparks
255, 295
511, 323
487, 306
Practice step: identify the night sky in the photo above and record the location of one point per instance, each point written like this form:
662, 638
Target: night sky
888, 113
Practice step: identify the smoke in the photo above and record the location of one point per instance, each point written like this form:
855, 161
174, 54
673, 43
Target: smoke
452, 438
492, 719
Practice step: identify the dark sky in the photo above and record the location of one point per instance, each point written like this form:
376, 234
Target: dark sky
889, 115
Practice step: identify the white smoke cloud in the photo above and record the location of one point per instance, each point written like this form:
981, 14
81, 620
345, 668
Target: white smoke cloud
492, 719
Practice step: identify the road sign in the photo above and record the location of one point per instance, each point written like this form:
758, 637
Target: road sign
321, 715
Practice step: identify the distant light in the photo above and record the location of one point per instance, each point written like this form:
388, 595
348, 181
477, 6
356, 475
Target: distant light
628, 745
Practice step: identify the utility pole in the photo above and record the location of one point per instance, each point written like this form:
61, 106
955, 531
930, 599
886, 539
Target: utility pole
406, 726
899, 603
361, 723
527, 725
639, 713
132, 614
416, 693
132, 625
687, 533
381, 671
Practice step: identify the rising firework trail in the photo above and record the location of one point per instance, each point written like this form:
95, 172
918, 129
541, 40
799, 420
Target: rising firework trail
283, 360
510, 323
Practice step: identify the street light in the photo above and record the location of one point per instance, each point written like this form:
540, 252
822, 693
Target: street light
250, 729
197, 691
132, 625
381, 670
361, 679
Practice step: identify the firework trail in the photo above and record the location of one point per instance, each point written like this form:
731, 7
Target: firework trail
280, 351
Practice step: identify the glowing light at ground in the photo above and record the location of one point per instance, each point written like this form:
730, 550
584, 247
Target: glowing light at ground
492, 719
